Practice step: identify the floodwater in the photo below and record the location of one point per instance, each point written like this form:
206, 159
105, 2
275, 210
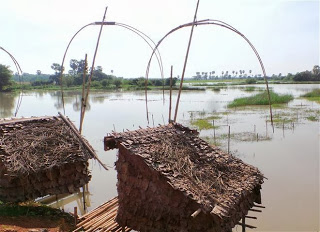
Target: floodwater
288, 157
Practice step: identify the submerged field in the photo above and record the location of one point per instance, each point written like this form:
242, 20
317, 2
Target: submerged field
287, 156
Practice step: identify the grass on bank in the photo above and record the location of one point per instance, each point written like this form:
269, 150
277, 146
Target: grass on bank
314, 95
36, 212
261, 99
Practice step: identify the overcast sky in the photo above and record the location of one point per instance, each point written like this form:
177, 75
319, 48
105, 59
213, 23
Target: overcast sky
285, 33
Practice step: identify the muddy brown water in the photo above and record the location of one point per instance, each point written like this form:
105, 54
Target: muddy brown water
289, 157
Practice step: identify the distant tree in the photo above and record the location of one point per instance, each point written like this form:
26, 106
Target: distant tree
38, 72
57, 70
5, 75
117, 82
316, 70
250, 71
74, 64
303, 76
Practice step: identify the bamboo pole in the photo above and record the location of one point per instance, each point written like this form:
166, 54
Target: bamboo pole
170, 99
91, 151
83, 106
185, 62
229, 140
75, 214
93, 61
243, 223
214, 132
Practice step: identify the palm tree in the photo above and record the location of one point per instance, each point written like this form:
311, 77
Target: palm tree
222, 73
250, 71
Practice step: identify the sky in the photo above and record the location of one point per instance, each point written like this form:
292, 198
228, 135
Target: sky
285, 33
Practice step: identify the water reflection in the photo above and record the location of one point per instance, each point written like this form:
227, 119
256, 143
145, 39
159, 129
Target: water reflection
289, 158
7, 104
82, 199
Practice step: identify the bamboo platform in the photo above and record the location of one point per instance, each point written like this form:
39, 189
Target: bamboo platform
101, 219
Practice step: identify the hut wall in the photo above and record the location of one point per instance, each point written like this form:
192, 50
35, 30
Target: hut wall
147, 202
65, 179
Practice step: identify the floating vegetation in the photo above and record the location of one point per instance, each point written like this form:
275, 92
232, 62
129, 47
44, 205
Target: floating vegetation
203, 124
261, 99
314, 95
312, 118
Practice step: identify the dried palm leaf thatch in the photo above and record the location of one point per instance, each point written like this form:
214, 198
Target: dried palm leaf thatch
219, 184
35, 156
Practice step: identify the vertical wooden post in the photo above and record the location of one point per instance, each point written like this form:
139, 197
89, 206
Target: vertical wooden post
170, 99
152, 120
229, 141
243, 223
214, 132
266, 128
84, 199
75, 213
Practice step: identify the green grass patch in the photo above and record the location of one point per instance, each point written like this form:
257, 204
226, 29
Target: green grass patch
203, 124
261, 99
312, 118
314, 95
29, 209
213, 117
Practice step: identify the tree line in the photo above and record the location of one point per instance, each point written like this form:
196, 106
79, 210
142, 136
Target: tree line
74, 77
312, 75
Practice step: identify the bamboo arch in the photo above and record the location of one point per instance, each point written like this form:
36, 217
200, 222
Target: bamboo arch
19, 71
217, 23
142, 35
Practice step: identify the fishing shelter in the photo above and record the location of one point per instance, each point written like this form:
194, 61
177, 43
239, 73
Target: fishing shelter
171, 180
41, 156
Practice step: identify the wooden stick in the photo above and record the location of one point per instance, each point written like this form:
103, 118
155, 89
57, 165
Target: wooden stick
185, 63
83, 106
229, 141
251, 217
75, 214
196, 213
91, 151
243, 223
255, 210
170, 98
246, 225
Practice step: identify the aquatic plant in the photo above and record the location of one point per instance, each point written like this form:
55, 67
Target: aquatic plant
314, 95
261, 99
203, 124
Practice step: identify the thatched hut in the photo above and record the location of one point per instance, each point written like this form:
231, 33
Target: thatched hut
41, 156
171, 180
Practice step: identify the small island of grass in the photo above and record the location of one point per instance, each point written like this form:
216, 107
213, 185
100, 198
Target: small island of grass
261, 99
314, 95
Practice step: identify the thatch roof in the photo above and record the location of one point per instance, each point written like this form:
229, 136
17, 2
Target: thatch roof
219, 182
31, 145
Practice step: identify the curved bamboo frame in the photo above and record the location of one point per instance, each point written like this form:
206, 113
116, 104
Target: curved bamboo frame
145, 37
221, 24
19, 71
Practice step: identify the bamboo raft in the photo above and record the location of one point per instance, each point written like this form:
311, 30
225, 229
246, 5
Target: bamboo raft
102, 219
